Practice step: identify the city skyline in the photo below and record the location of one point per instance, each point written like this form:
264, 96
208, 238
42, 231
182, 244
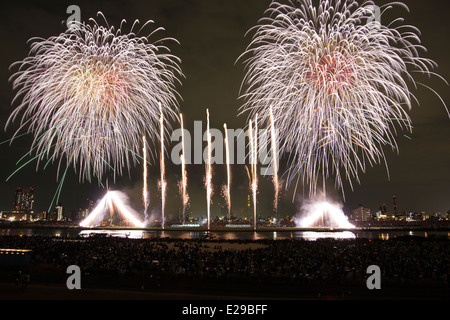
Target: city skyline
389, 208
419, 174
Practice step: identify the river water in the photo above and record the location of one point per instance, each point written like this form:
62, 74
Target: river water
224, 235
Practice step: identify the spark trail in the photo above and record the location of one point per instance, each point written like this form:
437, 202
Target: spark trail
184, 194
339, 84
208, 173
227, 155
253, 138
145, 173
163, 183
274, 146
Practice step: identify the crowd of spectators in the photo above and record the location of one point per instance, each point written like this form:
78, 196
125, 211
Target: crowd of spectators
153, 262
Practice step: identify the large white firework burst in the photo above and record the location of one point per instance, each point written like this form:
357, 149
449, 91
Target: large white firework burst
89, 94
337, 81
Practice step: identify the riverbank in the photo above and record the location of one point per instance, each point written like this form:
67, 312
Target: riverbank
405, 227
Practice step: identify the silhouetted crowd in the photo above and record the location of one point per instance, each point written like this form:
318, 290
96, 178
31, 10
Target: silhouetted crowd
405, 261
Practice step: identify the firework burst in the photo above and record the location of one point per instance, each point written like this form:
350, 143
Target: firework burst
337, 84
89, 94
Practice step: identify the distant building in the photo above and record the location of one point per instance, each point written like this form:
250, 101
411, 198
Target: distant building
57, 214
91, 206
394, 200
361, 214
424, 215
42, 215
23, 204
5, 214
59, 210
383, 209
77, 214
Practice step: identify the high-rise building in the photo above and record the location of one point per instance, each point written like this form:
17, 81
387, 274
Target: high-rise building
90, 206
42, 215
23, 204
77, 214
361, 214
59, 210
394, 199
56, 214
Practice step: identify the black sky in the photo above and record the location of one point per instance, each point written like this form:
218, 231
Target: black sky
212, 36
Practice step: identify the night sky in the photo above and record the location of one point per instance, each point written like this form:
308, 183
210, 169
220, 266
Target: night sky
212, 36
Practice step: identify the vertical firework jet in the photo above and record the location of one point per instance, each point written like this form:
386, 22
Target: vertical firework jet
145, 189
253, 138
183, 186
208, 173
274, 146
227, 161
162, 166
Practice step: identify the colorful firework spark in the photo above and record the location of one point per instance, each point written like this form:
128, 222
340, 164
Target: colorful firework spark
337, 84
89, 94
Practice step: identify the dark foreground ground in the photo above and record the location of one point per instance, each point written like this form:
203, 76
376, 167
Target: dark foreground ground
9, 291
174, 269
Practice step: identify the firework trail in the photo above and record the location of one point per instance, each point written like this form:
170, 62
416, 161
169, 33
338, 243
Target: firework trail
145, 188
113, 200
228, 187
162, 165
337, 84
183, 186
276, 183
208, 176
253, 138
89, 94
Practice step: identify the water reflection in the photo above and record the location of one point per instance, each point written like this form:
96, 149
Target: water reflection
228, 235
131, 234
136, 234
312, 235
383, 236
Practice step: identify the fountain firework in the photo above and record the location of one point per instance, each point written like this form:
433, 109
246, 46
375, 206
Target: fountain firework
253, 138
183, 186
112, 200
162, 169
320, 213
274, 143
208, 176
228, 188
144, 188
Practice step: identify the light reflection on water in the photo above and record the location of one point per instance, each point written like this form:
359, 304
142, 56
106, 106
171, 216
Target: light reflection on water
311, 235
131, 234
228, 235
